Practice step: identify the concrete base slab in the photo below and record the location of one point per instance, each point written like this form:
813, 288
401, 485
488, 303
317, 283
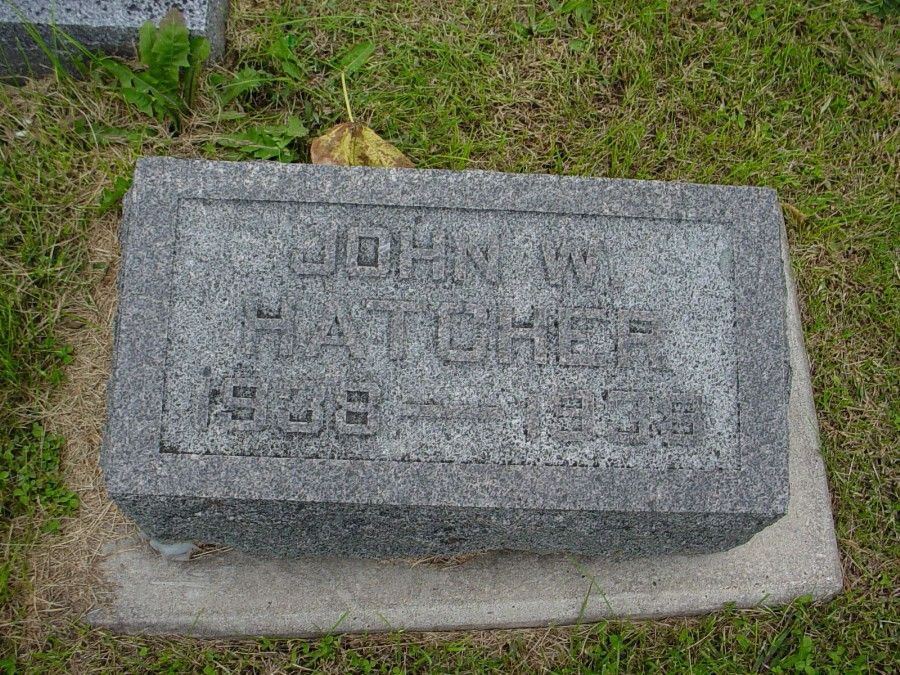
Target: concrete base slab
234, 594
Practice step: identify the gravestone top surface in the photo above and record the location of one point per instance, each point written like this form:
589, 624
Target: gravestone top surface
103, 12
409, 340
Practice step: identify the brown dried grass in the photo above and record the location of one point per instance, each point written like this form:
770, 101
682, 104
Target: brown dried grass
64, 575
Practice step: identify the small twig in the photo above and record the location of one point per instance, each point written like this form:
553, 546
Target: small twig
346, 97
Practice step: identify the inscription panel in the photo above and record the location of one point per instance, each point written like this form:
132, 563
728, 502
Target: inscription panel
450, 335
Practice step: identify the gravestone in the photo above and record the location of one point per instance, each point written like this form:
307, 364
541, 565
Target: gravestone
108, 26
370, 362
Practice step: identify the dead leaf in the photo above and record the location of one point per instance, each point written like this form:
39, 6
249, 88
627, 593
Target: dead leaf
355, 144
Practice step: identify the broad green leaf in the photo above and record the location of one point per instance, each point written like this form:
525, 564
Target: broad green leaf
146, 38
170, 50
198, 53
282, 51
199, 49
166, 86
355, 57
161, 94
294, 128
139, 99
120, 71
355, 144
268, 142
245, 80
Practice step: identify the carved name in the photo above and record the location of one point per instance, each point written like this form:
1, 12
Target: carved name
376, 252
472, 332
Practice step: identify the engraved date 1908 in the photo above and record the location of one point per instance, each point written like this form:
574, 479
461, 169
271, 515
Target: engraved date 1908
355, 408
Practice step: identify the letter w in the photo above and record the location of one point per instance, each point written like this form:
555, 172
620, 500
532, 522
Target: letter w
557, 262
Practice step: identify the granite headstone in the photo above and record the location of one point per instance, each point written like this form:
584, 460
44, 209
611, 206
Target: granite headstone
108, 26
371, 362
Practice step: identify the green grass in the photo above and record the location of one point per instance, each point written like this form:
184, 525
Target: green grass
800, 97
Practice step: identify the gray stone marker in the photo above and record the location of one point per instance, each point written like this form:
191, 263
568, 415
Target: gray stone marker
232, 593
108, 26
366, 362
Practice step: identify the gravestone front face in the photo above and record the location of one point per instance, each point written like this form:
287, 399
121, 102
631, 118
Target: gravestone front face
319, 360
109, 26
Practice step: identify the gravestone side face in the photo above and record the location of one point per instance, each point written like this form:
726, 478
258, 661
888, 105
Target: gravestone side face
370, 362
108, 26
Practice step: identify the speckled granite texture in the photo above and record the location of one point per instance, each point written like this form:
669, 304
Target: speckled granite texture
104, 25
367, 362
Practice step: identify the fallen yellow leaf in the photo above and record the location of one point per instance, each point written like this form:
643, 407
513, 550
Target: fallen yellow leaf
355, 144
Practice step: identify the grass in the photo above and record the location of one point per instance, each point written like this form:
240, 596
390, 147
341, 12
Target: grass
800, 97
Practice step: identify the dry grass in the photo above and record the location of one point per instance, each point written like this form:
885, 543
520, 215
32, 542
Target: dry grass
65, 579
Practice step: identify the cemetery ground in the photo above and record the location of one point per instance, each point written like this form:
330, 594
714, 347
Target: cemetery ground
795, 96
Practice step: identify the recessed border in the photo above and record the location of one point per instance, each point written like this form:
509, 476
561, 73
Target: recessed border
167, 445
